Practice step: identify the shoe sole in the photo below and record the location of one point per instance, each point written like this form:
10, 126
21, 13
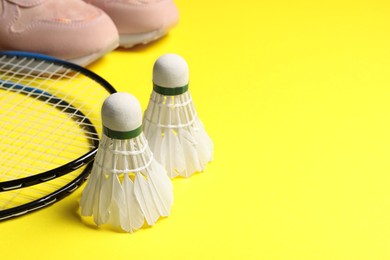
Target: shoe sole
130, 40
88, 59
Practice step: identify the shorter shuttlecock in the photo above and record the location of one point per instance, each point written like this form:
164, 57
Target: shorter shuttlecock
127, 185
175, 133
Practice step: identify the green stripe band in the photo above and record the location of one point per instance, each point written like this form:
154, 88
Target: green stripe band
122, 135
170, 91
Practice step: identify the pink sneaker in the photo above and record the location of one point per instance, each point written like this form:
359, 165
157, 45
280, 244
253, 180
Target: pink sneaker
67, 29
140, 21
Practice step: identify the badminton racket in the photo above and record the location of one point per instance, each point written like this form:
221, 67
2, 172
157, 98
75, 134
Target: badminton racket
49, 129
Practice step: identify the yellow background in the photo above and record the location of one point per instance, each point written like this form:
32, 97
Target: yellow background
295, 95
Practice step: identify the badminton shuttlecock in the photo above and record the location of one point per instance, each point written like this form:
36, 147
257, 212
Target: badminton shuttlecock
127, 185
176, 135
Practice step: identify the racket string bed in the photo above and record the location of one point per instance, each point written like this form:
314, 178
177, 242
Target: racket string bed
55, 106
48, 133
38, 96
32, 138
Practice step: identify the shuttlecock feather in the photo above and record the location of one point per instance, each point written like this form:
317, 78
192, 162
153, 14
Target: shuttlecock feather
127, 185
175, 133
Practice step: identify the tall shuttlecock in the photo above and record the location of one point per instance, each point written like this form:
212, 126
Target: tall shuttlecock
176, 135
127, 185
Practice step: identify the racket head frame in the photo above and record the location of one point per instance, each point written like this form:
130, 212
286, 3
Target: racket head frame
74, 164
84, 160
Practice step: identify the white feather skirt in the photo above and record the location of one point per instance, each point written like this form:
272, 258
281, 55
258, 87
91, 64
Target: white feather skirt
126, 186
176, 135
